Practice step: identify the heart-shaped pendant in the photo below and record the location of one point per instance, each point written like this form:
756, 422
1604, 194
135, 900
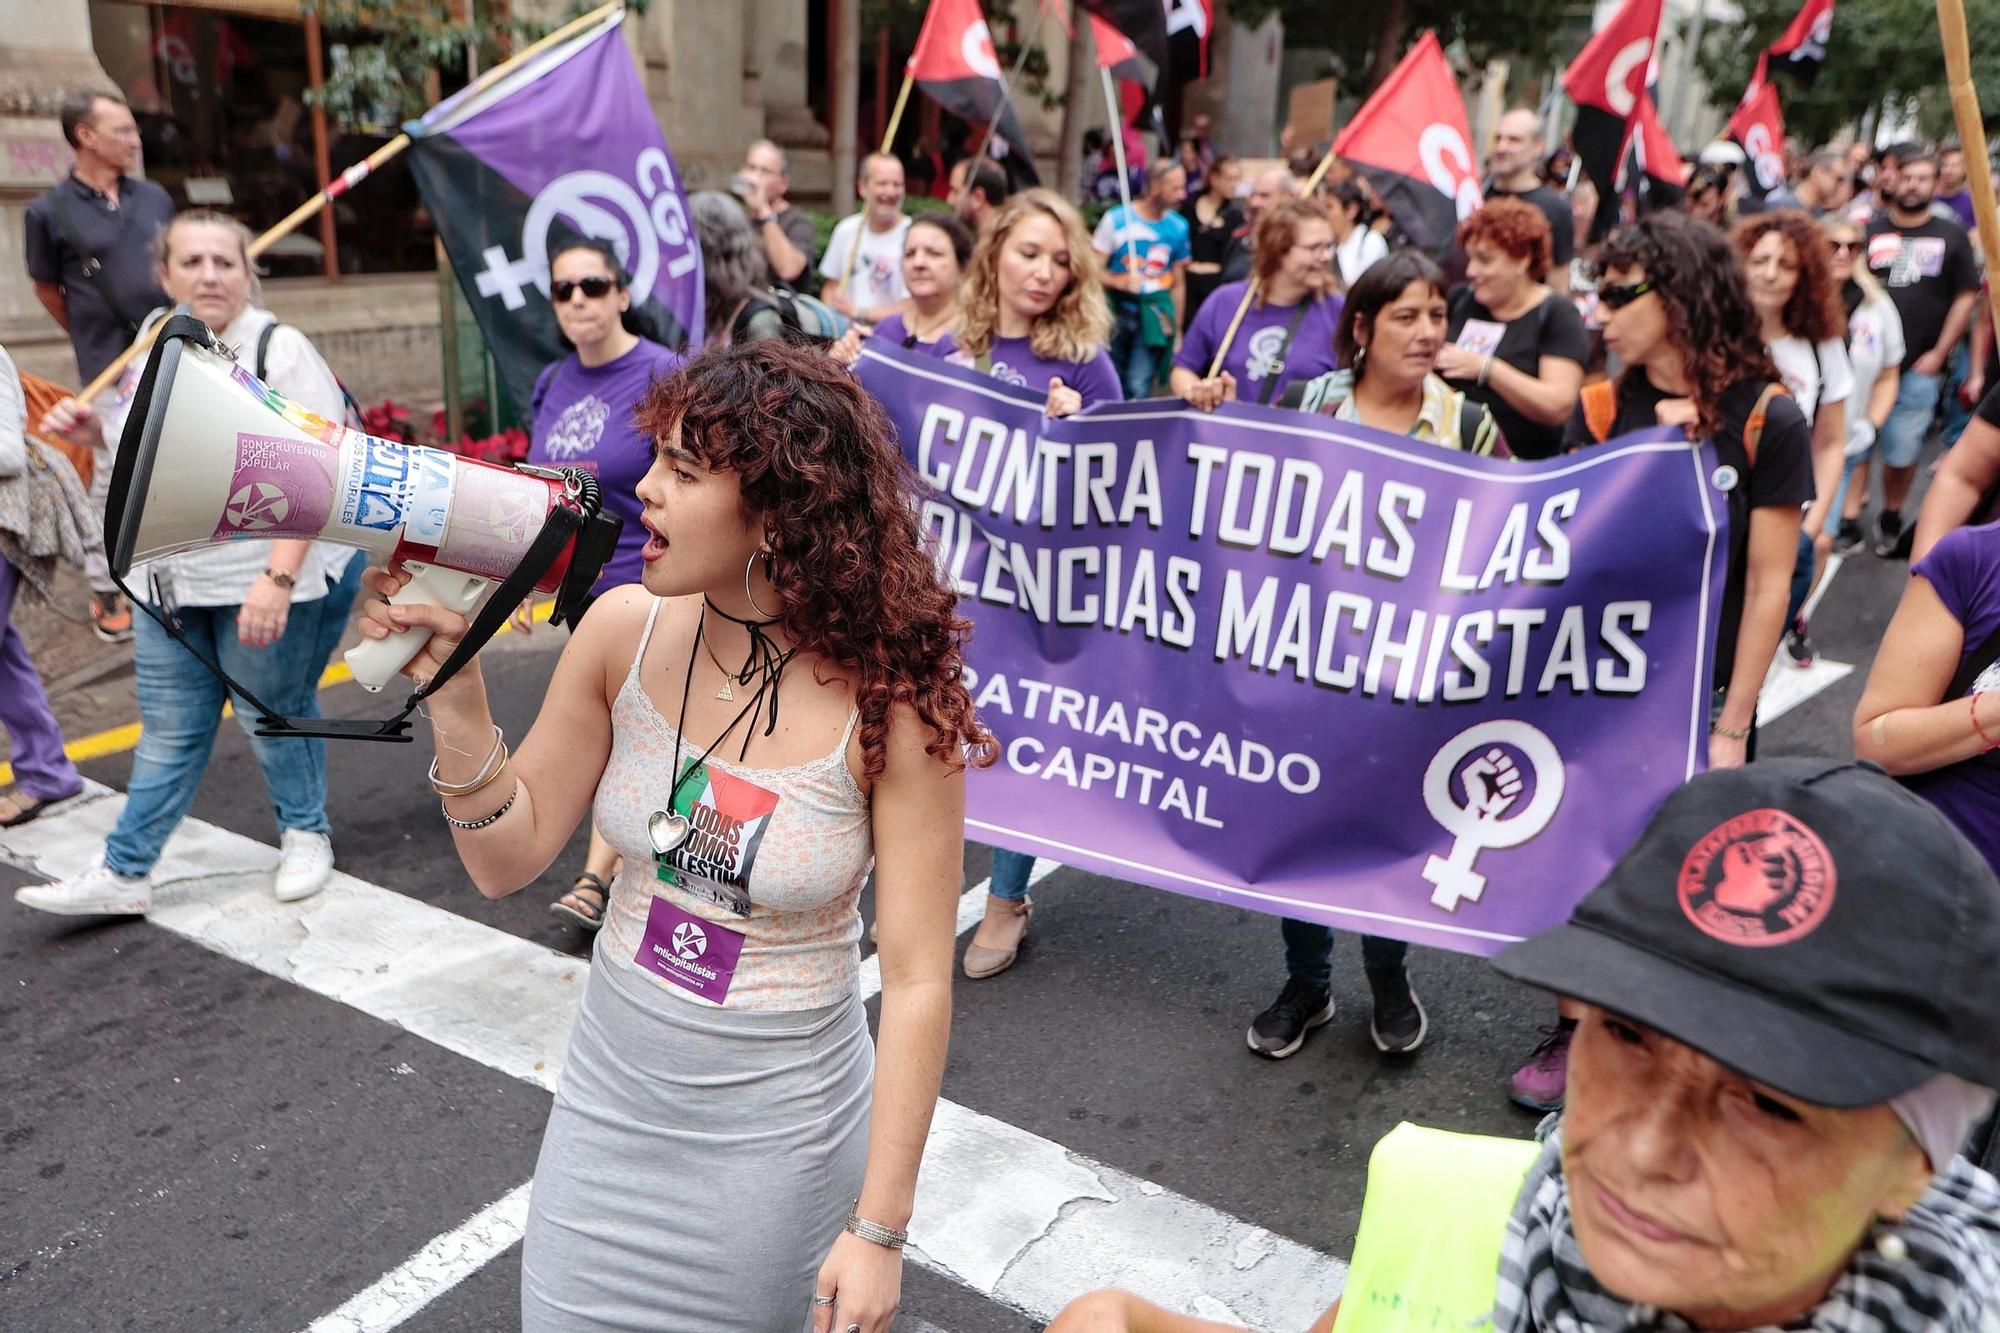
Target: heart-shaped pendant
666, 831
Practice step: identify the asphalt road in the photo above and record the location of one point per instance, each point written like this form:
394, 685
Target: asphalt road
191, 1142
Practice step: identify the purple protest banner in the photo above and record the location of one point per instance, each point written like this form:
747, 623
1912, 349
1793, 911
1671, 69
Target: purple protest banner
1310, 668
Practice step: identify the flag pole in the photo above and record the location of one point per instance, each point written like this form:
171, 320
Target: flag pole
357, 173
896, 116
1007, 87
1251, 289
1972, 135
1118, 156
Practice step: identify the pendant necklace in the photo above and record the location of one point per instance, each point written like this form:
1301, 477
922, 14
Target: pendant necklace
667, 829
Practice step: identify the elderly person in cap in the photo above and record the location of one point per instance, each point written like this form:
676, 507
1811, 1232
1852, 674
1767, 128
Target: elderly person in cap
1785, 1033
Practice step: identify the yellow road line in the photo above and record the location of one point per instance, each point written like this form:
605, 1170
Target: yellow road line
117, 740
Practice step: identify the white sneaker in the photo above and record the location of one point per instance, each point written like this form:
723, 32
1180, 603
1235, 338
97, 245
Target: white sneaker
305, 863
96, 892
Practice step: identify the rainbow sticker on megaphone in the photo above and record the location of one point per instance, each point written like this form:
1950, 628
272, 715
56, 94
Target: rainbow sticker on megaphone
307, 420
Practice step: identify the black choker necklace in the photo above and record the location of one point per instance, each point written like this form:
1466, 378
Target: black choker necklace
667, 829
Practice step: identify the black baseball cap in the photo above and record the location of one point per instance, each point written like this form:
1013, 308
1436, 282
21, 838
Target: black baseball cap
1812, 925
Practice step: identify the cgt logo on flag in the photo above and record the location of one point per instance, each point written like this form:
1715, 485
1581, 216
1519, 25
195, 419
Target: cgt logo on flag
642, 224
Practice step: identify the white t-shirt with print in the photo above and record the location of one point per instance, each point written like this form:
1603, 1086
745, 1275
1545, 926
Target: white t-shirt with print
1801, 367
877, 279
1874, 340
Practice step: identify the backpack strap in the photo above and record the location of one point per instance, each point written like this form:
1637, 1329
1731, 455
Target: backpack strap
1600, 409
1753, 425
264, 337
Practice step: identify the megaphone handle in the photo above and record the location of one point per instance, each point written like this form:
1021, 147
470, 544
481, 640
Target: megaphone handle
375, 662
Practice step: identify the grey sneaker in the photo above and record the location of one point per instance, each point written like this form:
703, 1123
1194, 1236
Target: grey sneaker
1399, 1024
1281, 1029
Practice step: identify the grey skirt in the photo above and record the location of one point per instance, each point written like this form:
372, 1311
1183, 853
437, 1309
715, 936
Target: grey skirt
697, 1166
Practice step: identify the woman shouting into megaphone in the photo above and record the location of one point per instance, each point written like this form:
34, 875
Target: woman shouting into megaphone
268, 612
776, 710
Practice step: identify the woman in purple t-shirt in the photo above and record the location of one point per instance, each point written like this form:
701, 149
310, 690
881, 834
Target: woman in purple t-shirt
1032, 312
1289, 330
582, 417
1924, 716
936, 249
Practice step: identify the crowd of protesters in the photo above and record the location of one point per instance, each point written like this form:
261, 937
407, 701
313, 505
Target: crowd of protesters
1814, 336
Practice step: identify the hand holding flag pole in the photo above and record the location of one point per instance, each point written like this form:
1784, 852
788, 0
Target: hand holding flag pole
359, 172
1256, 284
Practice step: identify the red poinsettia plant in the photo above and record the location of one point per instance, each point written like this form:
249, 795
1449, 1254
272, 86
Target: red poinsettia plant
391, 420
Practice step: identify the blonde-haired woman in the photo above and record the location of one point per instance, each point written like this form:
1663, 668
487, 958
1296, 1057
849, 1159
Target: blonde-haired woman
1875, 352
1032, 312
258, 609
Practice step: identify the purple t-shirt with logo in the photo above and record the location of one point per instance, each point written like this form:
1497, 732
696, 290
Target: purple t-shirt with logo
1014, 361
583, 418
1260, 352
1964, 569
893, 330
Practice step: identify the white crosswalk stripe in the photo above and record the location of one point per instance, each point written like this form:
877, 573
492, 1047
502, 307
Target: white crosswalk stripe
1061, 1225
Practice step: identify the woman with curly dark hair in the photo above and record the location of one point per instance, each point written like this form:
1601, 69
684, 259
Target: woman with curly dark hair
773, 713
1676, 312
1789, 266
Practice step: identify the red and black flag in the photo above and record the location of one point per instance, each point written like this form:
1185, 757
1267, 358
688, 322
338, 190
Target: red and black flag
1662, 172
1758, 127
1189, 22
956, 65
1413, 143
1143, 22
1116, 53
1605, 81
1799, 52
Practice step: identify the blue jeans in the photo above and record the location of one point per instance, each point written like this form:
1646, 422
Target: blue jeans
1010, 875
339, 601
1309, 952
1957, 416
180, 708
1909, 424
1136, 362
1802, 571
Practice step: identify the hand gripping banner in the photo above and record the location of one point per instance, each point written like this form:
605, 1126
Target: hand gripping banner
1309, 668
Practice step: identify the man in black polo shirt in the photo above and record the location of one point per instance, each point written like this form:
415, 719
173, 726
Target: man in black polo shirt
90, 254
1518, 144
1927, 264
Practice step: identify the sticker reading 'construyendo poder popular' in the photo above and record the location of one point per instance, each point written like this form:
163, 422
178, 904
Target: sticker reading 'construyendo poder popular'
726, 816
698, 956
281, 487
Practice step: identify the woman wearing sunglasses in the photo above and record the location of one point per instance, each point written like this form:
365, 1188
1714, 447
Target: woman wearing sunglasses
582, 412
1875, 351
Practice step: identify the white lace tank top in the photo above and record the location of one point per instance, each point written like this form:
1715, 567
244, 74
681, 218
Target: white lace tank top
755, 909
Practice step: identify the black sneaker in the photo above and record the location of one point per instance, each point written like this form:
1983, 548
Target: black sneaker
1799, 645
1399, 1023
1847, 538
1888, 532
1281, 1030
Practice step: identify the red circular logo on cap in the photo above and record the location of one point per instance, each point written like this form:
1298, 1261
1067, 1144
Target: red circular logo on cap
1759, 880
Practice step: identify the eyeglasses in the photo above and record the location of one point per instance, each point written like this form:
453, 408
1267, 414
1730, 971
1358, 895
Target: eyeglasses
1617, 298
595, 288
1844, 247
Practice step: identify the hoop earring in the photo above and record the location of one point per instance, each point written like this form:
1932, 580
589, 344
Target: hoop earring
749, 596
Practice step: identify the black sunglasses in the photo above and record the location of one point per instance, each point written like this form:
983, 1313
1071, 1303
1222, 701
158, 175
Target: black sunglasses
1617, 298
1844, 247
562, 288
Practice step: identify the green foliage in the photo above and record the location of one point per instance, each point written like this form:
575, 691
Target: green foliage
391, 47
1527, 31
1880, 50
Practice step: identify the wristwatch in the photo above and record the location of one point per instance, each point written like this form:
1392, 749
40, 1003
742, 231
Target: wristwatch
760, 221
281, 578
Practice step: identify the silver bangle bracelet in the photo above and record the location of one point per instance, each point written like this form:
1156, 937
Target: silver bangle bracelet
486, 770
874, 1232
484, 820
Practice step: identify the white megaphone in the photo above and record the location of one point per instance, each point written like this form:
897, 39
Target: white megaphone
211, 453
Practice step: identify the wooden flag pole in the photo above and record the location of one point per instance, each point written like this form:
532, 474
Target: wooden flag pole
354, 175
896, 116
1250, 291
1972, 135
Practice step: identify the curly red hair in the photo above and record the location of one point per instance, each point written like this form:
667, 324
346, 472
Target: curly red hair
1814, 311
818, 463
1518, 230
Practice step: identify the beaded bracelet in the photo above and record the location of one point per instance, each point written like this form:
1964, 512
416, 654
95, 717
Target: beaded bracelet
487, 770
1984, 739
483, 821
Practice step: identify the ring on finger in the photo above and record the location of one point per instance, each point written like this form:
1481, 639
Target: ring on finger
822, 1301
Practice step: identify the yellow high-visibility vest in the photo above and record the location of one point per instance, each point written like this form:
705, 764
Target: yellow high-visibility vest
1427, 1259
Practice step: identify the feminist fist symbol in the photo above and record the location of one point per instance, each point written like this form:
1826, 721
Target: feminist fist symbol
1492, 783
